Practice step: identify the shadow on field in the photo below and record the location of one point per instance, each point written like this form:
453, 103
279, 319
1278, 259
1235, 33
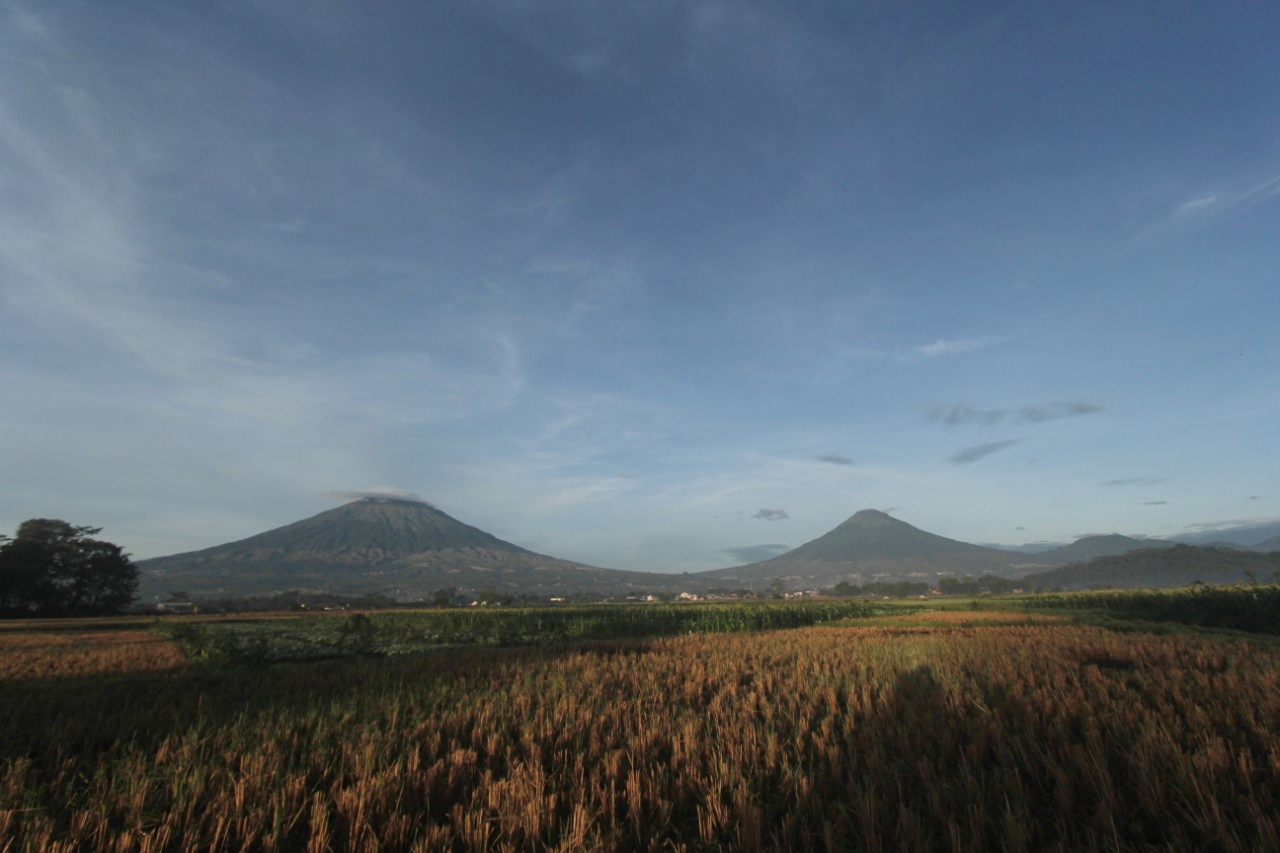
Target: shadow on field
916, 688
919, 799
84, 716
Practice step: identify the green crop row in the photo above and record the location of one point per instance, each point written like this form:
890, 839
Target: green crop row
404, 632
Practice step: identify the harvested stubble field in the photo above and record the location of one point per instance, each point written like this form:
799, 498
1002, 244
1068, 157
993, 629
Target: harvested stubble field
932, 732
42, 653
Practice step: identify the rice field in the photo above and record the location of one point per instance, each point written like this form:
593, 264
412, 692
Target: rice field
939, 731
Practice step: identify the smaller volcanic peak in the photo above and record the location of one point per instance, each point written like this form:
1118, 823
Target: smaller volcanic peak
872, 533
872, 544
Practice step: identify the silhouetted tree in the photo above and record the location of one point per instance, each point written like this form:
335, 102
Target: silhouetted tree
52, 568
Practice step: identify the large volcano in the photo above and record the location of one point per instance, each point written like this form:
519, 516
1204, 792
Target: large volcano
400, 548
870, 546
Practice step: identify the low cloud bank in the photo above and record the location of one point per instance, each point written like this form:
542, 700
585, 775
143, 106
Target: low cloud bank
382, 492
755, 553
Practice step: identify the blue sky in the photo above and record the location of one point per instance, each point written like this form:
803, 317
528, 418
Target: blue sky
649, 286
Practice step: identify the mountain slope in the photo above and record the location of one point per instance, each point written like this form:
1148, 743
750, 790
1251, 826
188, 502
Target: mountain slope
871, 545
368, 530
403, 549
1272, 544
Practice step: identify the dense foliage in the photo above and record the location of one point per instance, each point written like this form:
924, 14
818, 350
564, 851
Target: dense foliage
896, 589
1242, 608
915, 735
969, 585
52, 568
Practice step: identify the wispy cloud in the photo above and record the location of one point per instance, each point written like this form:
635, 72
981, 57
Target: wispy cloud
1055, 411
962, 414
834, 459
1134, 481
1157, 503
1215, 203
945, 346
755, 553
1207, 206
1188, 207
771, 514
981, 451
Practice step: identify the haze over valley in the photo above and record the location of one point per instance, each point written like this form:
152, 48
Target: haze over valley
408, 550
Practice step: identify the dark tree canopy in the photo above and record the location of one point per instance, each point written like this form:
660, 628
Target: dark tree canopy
52, 568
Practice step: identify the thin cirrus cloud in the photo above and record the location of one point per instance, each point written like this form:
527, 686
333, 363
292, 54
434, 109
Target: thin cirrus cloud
944, 346
981, 451
1134, 481
1188, 207
771, 514
1216, 202
962, 414
1207, 206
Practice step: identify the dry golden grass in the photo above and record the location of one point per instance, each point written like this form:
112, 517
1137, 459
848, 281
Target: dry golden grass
41, 654
964, 736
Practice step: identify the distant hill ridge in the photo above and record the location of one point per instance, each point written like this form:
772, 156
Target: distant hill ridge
1089, 547
1272, 544
1179, 565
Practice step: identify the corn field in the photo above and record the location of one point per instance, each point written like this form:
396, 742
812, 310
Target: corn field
943, 731
1254, 608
